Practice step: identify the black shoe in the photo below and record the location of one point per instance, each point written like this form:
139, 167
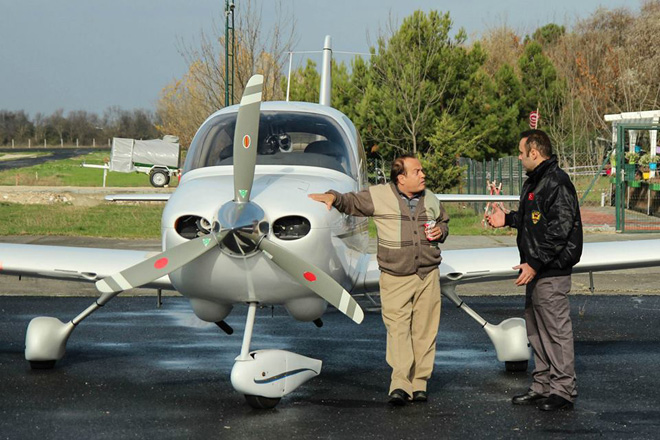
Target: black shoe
398, 397
420, 396
529, 398
555, 403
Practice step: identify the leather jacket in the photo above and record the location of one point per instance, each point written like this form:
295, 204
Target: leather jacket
548, 221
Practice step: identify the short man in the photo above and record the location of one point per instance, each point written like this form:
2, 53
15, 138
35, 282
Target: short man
550, 244
408, 257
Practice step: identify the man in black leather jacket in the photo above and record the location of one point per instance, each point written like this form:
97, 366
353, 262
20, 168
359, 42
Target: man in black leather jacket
550, 244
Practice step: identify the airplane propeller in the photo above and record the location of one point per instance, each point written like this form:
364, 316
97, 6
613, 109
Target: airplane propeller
157, 266
246, 138
239, 217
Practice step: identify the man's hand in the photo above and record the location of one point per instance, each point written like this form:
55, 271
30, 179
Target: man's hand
435, 233
496, 218
326, 198
527, 274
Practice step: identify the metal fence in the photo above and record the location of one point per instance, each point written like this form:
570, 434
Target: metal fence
595, 184
638, 209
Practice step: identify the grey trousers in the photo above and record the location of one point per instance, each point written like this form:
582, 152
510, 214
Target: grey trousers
550, 333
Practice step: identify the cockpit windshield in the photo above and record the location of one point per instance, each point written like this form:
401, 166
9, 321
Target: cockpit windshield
285, 138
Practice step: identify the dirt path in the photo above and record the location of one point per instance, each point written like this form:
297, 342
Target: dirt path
77, 196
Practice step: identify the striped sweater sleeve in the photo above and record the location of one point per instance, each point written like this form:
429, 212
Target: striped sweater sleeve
359, 204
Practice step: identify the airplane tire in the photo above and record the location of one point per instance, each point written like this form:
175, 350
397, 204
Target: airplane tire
261, 402
516, 366
42, 365
159, 178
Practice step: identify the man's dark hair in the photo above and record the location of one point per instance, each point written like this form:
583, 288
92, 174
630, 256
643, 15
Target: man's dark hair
398, 167
539, 140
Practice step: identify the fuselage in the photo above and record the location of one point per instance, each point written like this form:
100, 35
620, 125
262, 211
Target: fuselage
289, 167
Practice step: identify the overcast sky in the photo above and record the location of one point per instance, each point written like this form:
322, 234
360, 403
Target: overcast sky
93, 54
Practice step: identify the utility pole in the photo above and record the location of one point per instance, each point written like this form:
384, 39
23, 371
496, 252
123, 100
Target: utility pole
229, 52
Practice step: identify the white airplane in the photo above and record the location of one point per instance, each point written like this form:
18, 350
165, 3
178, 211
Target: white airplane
240, 229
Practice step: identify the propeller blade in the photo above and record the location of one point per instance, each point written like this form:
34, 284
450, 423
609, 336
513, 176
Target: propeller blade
314, 278
246, 137
157, 266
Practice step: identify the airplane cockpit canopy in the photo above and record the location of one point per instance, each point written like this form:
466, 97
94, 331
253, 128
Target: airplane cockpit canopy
285, 138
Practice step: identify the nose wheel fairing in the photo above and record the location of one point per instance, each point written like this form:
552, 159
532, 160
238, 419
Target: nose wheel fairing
272, 373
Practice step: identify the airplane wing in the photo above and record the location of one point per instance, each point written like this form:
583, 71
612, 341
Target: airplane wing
491, 264
160, 197
71, 263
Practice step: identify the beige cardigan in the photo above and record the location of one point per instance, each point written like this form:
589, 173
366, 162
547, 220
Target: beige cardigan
402, 245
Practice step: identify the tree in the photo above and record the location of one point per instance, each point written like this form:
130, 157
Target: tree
305, 83
185, 103
411, 74
14, 126
503, 47
549, 35
136, 124
415, 89
58, 124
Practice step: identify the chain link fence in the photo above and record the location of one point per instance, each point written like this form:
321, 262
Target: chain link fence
593, 174
594, 180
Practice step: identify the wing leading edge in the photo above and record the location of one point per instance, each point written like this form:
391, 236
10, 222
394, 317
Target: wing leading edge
491, 264
71, 263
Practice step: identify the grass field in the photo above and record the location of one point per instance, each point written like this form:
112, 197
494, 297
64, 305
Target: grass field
125, 221
111, 220
68, 172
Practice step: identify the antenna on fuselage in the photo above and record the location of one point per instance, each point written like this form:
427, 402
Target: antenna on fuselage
326, 73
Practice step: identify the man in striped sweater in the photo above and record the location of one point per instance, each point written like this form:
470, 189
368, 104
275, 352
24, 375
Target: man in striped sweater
410, 222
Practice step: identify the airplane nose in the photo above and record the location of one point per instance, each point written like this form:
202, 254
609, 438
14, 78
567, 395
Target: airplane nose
235, 215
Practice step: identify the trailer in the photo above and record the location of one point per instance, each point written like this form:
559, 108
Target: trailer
158, 158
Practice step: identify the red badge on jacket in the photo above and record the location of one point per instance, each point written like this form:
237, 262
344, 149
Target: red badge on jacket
530, 196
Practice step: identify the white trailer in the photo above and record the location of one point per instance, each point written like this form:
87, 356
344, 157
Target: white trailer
159, 158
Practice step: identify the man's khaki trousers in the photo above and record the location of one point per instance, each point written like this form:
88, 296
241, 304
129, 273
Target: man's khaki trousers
411, 313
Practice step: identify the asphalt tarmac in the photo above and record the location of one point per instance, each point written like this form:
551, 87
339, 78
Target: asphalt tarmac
55, 154
135, 371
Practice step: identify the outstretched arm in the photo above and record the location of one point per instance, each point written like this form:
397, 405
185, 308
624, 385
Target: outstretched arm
359, 204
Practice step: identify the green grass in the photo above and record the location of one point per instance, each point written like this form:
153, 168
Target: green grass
601, 185
129, 221
111, 220
68, 172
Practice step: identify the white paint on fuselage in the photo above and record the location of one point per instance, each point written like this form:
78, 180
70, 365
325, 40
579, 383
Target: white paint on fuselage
332, 244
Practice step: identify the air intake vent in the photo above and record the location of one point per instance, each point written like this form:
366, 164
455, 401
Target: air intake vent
291, 228
192, 226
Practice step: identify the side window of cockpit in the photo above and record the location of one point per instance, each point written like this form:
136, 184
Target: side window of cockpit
333, 155
362, 157
212, 143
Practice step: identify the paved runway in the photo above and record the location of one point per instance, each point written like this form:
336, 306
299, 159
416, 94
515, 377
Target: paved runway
56, 154
134, 371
